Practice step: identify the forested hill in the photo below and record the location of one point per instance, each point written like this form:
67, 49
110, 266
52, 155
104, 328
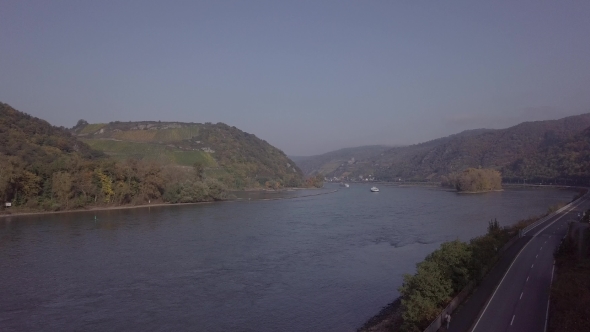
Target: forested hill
43, 167
567, 161
499, 149
369, 159
236, 158
35, 141
31, 152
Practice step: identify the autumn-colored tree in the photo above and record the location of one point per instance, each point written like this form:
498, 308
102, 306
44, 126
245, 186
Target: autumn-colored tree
474, 180
105, 183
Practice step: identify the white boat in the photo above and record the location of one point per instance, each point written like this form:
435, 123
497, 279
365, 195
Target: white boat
374, 189
346, 185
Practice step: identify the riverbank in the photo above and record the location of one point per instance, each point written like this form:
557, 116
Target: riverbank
478, 192
387, 320
123, 207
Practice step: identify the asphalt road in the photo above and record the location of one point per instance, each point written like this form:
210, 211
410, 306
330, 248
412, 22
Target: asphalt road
520, 302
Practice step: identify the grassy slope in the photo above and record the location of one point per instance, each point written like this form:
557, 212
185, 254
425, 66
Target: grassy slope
154, 152
234, 157
164, 135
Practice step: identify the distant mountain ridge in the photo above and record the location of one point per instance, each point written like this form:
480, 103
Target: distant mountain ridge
237, 158
329, 162
499, 149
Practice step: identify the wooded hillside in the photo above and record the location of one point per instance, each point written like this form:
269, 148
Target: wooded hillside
43, 167
565, 161
517, 152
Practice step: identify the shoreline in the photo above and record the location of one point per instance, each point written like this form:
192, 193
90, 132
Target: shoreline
478, 192
387, 318
123, 207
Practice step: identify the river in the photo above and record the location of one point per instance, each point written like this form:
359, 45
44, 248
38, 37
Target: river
317, 263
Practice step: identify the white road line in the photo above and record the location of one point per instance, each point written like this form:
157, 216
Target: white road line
521, 295
563, 215
532, 266
527, 279
497, 287
513, 261
537, 256
512, 321
541, 248
549, 299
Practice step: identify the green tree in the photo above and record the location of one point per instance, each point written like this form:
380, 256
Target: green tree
199, 169
423, 294
62, 187
454, 259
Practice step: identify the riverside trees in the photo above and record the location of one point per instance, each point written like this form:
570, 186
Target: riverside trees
474, 180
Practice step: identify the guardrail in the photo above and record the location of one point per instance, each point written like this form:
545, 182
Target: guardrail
525, 230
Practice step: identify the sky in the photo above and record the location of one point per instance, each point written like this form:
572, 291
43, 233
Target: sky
306, 76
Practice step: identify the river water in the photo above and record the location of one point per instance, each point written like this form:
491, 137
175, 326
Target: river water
319, 263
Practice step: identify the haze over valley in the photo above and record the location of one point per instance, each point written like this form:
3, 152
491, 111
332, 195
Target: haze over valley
294, 166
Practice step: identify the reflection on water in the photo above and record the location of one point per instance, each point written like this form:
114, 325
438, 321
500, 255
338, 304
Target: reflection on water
321, 263
279, 194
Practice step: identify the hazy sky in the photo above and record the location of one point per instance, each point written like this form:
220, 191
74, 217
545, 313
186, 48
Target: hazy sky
307, 76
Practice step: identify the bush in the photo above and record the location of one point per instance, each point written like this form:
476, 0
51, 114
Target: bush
423, 294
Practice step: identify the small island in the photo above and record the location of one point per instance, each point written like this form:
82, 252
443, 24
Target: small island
473, 180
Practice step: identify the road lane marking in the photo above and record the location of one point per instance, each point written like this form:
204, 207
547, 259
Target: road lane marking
512, 321
527, 279
532, 266
537, 256
498, 286
541, 248
515, 259
565, 212
521, 295
549, 298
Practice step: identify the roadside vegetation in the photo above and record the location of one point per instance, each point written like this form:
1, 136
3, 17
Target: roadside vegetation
445, 272
570, 292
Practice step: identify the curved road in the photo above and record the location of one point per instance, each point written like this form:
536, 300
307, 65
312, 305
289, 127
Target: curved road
521, 300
